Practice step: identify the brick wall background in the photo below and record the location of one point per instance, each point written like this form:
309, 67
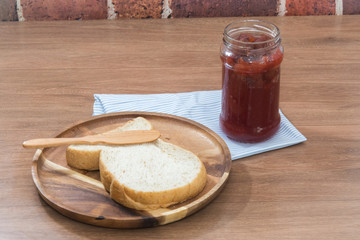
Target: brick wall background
37, 10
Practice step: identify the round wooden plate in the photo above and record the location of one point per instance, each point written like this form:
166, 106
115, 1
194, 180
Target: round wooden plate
81, 196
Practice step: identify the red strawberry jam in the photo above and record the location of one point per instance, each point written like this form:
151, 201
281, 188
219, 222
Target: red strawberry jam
250, 86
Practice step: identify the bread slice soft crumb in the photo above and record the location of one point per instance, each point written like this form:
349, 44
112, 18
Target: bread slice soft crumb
151, 175
143, 176
86, 157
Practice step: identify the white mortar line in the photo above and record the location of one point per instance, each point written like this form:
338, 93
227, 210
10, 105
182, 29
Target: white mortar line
339, 7
111, 10
19, 11
166, 9
281, 8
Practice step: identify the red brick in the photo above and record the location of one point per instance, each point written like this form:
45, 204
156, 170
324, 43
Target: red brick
8, 10
64, 9
223, 8
351, 7
310, 7
138, 8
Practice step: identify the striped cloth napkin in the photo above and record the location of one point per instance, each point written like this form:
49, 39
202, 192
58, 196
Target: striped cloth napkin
203, 107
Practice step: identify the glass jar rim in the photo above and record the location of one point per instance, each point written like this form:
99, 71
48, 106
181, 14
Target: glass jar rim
264, 23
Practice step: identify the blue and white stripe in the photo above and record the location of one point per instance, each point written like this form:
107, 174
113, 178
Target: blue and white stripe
203, 107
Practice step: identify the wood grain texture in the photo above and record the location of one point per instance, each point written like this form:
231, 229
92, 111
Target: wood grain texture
80, 194
118, 138
49, 72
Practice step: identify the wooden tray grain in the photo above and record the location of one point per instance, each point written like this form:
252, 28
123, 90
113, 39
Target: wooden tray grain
81, 196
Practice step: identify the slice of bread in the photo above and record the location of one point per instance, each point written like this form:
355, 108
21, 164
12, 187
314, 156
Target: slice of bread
151, 175
143, 176
86, 157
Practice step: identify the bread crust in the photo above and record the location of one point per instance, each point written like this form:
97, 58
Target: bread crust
141, 200
83, 159
106, 176
89, 159
152, 200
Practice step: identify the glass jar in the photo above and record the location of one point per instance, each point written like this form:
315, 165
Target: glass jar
251, 55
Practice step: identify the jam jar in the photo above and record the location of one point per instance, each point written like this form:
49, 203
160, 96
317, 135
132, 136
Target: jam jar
251, 55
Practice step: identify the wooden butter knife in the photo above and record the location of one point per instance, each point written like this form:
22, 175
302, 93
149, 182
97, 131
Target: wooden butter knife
116, 138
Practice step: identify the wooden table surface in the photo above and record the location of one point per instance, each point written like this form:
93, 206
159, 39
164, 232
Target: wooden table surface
49, 72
